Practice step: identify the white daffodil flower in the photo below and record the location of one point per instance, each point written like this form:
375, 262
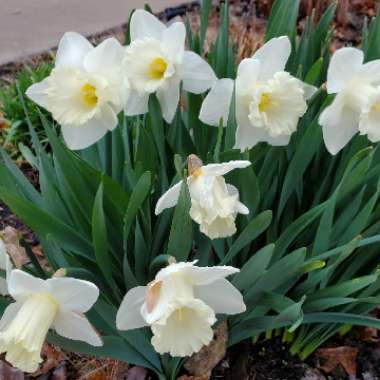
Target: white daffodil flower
269, 101
85, 91
156, 62
369, 122
214, 204
355, 106
57, 303
5, 266
180, 306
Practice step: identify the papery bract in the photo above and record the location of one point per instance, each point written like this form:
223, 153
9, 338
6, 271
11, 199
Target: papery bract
85, 91
57, 303
156, 62
180, 306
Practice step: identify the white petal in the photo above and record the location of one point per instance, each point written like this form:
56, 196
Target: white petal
240, 207
344, 64
339, 125
76, 327
129, 315
207, 275
9, 314
247, 136
168, 199
371, 71
72, 50
197, 74
109, 117
21, 284
81, 137
225, 167
247, 73
137, 103
144, 24
281, 140
173, 41
308, 89
273, 56
105, 56
168, 98
221, 296
74, 294
36, 92
216, 105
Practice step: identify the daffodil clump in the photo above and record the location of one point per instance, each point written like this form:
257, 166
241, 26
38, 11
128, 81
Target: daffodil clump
185, 188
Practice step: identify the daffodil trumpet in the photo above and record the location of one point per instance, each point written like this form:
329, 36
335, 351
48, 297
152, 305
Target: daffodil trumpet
56, 303
269, 101
180, 306
356, 106
214, 203
85, 91
156, 62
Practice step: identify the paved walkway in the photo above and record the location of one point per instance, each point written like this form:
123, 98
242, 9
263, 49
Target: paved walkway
33, 26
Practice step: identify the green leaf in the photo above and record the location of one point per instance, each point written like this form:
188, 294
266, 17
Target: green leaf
255, 227
100, 239
282, 20
181, 232
254, 268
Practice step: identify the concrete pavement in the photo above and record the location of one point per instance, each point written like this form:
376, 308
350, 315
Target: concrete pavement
33, 26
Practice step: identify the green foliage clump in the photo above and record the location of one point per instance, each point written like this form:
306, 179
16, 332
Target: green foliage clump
12, 109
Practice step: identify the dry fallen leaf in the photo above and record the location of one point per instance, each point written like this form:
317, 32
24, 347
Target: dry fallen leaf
137, 373
204, 361
344, 356
52, 356
369, 334
9, 373
60, 373
15, 251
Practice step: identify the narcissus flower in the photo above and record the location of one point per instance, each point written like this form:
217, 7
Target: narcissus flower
356, 105
85, 91
156, 62
180, 306
6, 267
57, 303
214, 204
269, 101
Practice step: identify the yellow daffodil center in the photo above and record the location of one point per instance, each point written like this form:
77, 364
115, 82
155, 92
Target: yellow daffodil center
180, 314
89, 96
265, 102
157, 68
197, 173
376, 107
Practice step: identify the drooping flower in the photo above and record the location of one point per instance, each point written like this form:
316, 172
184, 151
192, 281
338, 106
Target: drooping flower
355, 107
57, 303
6, 267
85, 90
214, 204
269, 101
180, 306
156, 62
